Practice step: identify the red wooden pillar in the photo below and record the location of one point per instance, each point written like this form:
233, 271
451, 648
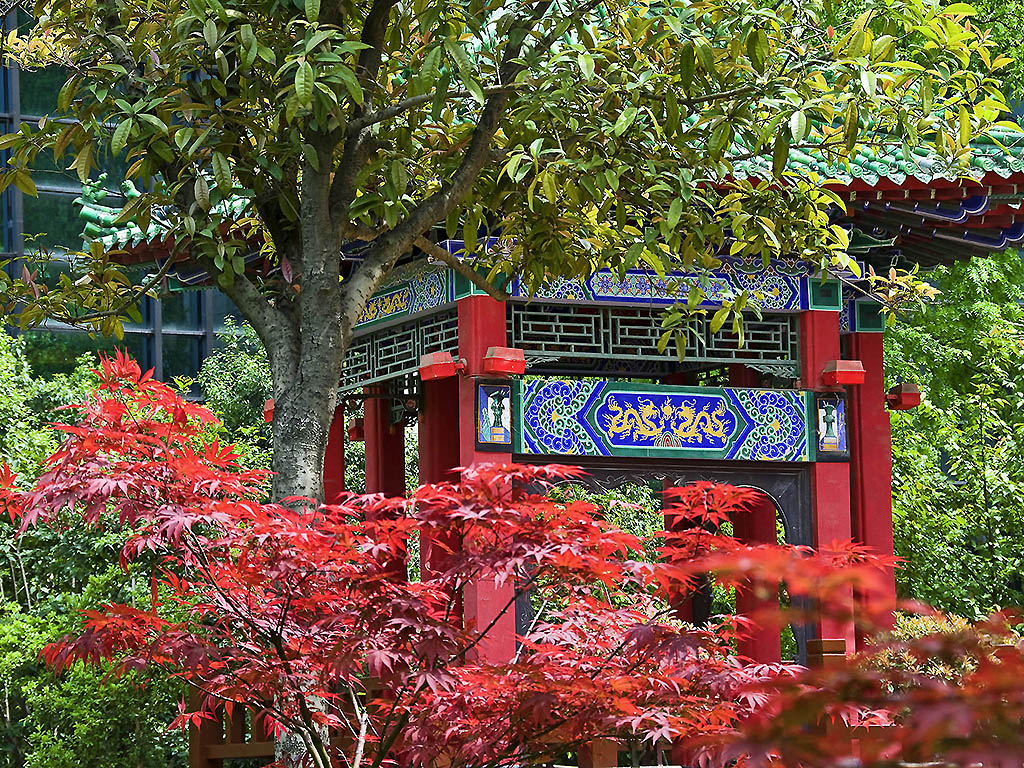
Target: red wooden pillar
385, 461
758, 525
871, 452
482, 325
202, 737
385, 449
438, 427
334, 458
830, 481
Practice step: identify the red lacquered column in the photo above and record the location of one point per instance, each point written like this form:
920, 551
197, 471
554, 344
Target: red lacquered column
482, 325
830, 481
871, 452
334, 458
438, 427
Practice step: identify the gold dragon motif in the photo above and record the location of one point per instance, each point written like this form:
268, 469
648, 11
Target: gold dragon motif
667, 423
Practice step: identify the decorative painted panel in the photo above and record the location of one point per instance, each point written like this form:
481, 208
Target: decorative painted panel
782, 286
576, 417
411, 290
831, 419
494, 416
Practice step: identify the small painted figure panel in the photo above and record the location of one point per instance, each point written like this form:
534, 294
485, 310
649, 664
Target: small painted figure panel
832, 442
494, 416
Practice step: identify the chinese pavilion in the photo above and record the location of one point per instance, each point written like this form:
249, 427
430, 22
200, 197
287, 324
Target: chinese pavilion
798, 411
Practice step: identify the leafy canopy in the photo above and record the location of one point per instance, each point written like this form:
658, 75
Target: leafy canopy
591, 133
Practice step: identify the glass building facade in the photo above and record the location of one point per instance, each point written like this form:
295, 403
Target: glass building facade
176, 332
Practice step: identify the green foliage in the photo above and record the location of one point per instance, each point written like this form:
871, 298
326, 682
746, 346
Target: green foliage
27, 404
958, 476
602, 132
893, 653
234, 382
47, 576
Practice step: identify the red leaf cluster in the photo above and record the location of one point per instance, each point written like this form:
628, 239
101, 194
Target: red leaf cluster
293, 610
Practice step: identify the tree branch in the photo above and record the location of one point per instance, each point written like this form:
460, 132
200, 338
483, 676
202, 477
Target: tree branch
392, 244
374, 29
435, 251
135, 295
396, 109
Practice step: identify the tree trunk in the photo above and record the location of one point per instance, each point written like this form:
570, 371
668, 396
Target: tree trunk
303, 410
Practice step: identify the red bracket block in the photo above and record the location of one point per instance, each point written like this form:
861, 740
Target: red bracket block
842, 372
354, 430
440, 365
903, 397
268, 410
504, 361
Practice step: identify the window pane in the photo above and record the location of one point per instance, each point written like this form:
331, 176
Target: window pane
223, 307
52, 352
39, 90
181, 310
52, 221
51, 175
181, 355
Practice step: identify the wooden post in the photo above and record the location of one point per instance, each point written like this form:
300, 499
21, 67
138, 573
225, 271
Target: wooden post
830, 481
208, 734
482, 325
871, 452
385, 463
438, 427
599, 753
758, 526
385, 449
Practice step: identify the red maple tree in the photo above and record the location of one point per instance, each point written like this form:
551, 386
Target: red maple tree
297, 611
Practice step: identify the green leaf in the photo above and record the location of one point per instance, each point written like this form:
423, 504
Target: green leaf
431, 66
476, 92
675, 212
67, 93
798, 125
960, 9
120, 137
757, 49
153, 121
965, 126
687, 66
851, 125
720, 139
23, 181
246, 36
399, 176
457, 53
210, 33
312, 10
83, 162
780, 153
626, 118
350, 81
202, 193
587, 65
705, 54
719, 319
222, 173
304, 79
